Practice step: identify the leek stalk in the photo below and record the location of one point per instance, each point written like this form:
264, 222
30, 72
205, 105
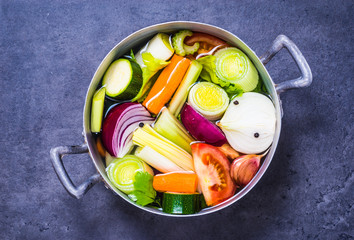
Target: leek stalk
168, 126
147, 136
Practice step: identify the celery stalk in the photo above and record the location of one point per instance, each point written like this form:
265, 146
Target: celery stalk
181, 94
146, 136
168, 126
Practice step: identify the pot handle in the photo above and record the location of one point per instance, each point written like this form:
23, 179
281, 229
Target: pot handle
57, 155
305, 79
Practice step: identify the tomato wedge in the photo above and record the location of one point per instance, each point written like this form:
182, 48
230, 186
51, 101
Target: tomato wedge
213, 170
203, 37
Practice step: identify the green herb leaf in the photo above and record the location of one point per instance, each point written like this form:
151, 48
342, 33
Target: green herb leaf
143, 193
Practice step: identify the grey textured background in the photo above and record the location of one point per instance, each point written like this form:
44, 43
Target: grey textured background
49, 52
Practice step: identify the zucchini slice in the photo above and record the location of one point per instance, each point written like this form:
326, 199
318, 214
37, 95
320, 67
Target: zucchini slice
181, 203
97, 110
123, 79
234, 67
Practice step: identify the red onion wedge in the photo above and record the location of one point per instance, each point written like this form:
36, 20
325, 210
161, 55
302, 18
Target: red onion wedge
119, 125
201, 128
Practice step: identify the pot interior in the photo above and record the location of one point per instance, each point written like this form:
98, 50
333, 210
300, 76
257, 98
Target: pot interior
142, 36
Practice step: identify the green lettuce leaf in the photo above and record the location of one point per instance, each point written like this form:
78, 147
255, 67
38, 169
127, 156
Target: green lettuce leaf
209, 74
143, 193
152, 66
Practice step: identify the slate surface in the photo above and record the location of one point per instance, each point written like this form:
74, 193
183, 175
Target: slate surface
51, 49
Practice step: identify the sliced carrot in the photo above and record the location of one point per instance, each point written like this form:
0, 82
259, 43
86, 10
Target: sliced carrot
166, 84
100, 147
180, 182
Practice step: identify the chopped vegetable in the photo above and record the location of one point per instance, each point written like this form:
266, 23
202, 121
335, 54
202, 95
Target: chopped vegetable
244, 168
146, 136
97, 110
159, 47
152, 64
121, 172
108, 159
156, 160
209, 100
168, 126
150, 73
180, 182
203, 37
151, 58
100, 147
207, 52
209, 74
166, 84
178, 203
229, 152
118, 127
145, 90
249, 123
213, 170
200, 127
235, 69
143, 193
181, 94
179, 46
123, 79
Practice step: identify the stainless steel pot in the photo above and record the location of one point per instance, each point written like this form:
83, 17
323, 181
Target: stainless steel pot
144, 35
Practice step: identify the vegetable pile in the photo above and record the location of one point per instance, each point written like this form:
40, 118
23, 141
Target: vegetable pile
183, 124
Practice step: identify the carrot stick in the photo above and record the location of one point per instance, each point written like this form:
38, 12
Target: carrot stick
181, 182
166, 84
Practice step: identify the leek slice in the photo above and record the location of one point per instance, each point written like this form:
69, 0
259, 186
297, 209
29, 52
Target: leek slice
169, 127
209, 100
159, 47
233, 67
146, 136
121, 172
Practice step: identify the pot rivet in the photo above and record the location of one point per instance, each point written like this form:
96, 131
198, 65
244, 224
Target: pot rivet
236, 102
256, 135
